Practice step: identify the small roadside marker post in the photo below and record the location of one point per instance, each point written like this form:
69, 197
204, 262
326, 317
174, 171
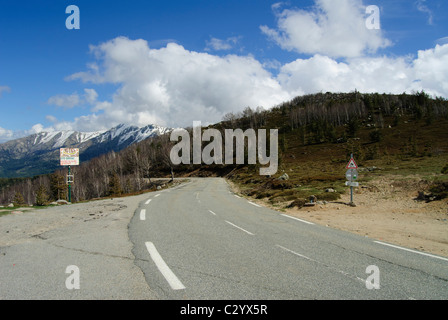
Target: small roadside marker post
352, 175
69, 185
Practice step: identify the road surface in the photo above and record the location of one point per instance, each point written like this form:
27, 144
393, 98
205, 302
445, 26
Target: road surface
201, 241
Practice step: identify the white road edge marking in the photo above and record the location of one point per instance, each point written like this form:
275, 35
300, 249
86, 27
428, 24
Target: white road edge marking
173, 281
237, 196
254, 204
240, 228
147, 202
307, 222
410, 250
143, 214
212, 212
297, 254
308, 258
157, 195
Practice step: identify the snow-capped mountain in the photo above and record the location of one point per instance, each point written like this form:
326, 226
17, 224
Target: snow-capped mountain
39, 152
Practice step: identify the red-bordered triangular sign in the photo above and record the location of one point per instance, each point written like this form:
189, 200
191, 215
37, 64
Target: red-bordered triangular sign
352, 164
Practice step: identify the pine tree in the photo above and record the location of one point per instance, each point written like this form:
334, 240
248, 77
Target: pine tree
18, 200
41, 196
58, 186
115, 185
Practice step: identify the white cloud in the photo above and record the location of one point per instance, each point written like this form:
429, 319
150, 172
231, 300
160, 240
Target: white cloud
70, 101
5, 135
90, 96
422, 7
173, 86
428, 71
442, 41
335, 28
51, 118
215, 44
65, 101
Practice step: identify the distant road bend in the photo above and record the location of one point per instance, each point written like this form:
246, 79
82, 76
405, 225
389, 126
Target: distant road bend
201, 241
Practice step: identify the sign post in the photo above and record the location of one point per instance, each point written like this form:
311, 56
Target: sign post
351, 176
69, 157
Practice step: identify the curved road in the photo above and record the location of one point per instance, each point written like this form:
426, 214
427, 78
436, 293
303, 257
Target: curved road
200, 241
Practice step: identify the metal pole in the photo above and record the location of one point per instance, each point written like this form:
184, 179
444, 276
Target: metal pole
351, 195
351, 187
69, 186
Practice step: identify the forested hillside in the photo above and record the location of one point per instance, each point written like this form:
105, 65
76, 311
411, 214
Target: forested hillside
317, 134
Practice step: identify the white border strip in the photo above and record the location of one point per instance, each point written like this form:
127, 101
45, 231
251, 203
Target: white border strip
143, 214
239, 228
173, 281
254, 204
410, 250
212, 212
297, 254
285, 215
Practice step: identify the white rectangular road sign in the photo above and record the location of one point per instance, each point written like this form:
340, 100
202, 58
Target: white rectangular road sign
351, 184
69, 156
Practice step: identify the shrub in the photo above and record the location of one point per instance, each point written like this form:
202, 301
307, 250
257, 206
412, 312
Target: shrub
440, 190
445, 169
299, 203
376, 136
329, 196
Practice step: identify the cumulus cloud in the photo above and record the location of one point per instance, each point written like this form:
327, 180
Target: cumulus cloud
5, 135
73, 100
428, 71
173, 86
335, 28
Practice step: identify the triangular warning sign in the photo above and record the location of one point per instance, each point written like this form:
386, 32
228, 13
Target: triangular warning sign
352, 164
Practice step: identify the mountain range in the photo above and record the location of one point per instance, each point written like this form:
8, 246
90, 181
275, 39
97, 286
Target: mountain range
39, 153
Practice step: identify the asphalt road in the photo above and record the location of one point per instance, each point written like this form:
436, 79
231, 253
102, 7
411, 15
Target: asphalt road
201, 241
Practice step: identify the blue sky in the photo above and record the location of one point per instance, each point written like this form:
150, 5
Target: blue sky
174, 62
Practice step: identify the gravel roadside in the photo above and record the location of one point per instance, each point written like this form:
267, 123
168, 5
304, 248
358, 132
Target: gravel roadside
37, 245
